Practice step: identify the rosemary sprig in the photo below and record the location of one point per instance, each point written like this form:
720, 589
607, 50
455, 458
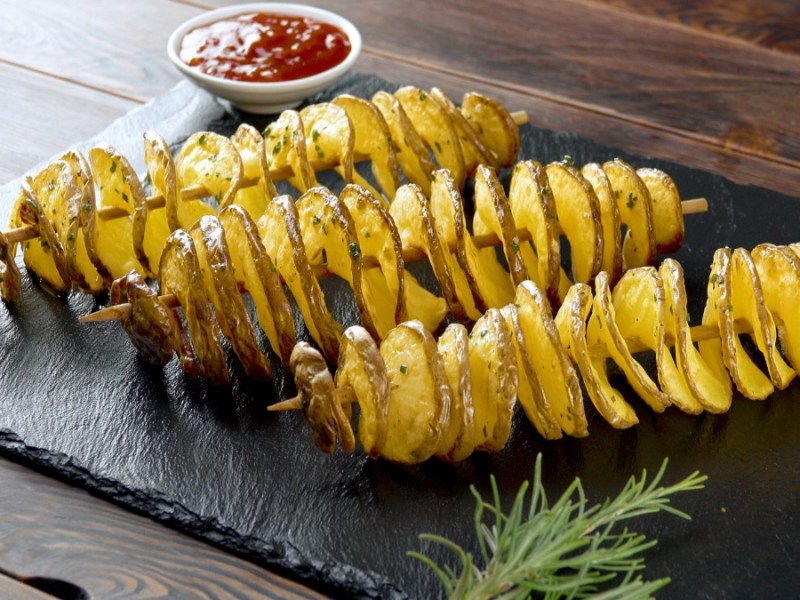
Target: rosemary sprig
567, 550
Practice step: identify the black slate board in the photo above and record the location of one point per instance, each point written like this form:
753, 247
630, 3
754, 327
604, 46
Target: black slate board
78, 403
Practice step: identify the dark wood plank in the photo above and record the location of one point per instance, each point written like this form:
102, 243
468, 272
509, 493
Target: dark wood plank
773, 24
42, 116
49, 529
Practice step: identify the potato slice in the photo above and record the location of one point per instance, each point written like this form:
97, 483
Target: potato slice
488, 282
436, 129
711, 388
635, 212
373, 141
329, 236
472, 148
420, 397
534, 210
150, 325
257, 273
667, 210
216, 267
747, 304
329, 138
458, 438
578, 211
571, 324
179, 274
361, 368
50, 200
412, 215
728, 353
779, 273
495, 127
285, 143
320, 403
176, 212
641, 315
609, 219
493, 216
252, 150
493, 370
555, 372
603, 328
279, 229
530, 392
210, 161
92, 276
10, 277
115, 238
412, 155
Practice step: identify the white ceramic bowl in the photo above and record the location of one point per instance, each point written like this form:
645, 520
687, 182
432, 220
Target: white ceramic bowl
271, 97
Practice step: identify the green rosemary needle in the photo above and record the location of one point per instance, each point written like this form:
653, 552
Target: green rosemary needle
567, 550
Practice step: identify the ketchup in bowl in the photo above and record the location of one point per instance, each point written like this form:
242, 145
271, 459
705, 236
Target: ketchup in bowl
264, 47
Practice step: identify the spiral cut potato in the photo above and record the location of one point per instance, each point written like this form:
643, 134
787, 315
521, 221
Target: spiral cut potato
89, 221
419, 397
362, 240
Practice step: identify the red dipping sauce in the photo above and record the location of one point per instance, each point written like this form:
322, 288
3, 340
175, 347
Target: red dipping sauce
263, 47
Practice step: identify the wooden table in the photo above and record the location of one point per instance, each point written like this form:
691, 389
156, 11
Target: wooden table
709, 84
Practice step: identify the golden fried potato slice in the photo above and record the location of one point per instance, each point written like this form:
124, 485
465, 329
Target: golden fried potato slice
603, 328
493, 216
534, 211
383, 287
208, 161
578, 211
163, 177
711, 388
329, 236
256, 272
412, 155
436, 129
748, 305
495, 127
122, 245
216, 267
667, 211
287, 155
641, 315
635, 212
412, 215
179, 274
50, 201
609, 219
373, 141
420, 397
91, 276
251, 148
488, 283
458, 438
279, 229
361, 368
329, 137
319, 400
779, 273
472, 148
728, 352
493, 370
554, 370
530, 392
588, 352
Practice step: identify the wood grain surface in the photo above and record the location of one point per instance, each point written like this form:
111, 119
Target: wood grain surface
712, 85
